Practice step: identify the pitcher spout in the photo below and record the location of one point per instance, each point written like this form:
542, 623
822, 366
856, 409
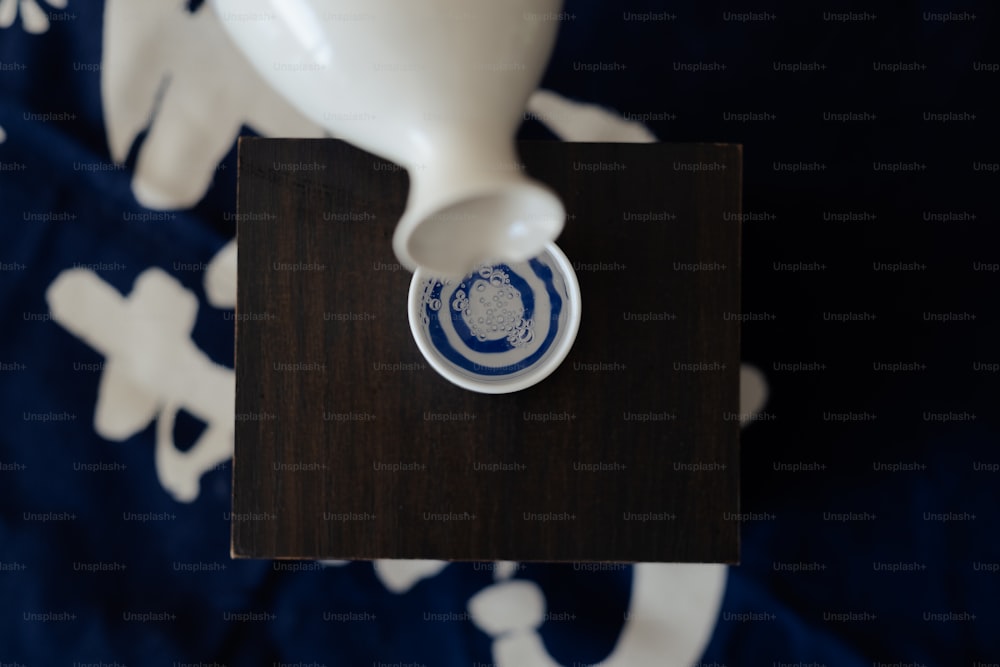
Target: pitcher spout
462, 212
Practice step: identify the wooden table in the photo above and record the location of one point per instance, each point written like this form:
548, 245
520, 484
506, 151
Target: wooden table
349, 446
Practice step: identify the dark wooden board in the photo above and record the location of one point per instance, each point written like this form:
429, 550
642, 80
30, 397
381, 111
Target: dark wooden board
348, 445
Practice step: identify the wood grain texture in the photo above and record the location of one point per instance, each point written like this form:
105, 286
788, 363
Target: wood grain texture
348, 445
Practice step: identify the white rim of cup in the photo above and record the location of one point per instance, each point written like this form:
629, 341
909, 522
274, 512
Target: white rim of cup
537, 373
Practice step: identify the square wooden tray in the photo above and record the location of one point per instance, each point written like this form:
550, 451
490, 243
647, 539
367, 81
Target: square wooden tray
349, 446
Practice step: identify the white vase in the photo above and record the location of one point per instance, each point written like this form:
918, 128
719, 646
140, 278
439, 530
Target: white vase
437, 86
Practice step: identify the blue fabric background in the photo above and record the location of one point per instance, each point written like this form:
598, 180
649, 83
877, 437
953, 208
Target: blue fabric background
842, 556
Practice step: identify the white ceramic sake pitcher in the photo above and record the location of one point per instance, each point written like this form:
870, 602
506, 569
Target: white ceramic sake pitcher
437, 86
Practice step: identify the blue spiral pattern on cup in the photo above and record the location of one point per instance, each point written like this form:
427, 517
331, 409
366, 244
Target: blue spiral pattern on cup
505, 344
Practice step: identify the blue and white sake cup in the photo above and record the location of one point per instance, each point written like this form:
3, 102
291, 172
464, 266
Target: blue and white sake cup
503, 327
